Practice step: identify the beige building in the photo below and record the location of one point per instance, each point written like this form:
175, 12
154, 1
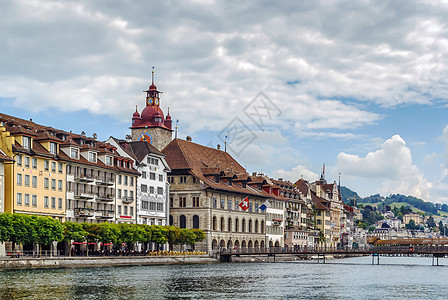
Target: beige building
417, 218
206, 187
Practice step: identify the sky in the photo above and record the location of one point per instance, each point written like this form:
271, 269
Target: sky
359, 87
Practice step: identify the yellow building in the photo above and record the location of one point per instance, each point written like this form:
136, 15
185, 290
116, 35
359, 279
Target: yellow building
35, 183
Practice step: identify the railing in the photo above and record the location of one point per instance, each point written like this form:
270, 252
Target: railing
83, 211
105, 197
83, 177
104, 214
417, 249
127, 200
104, 181
84, 194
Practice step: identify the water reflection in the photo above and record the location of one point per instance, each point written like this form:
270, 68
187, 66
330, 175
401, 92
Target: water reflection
352, 278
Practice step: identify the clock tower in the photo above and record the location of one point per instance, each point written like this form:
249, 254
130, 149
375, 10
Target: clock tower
151, 125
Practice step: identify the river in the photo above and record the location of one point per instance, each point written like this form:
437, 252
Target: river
350, 278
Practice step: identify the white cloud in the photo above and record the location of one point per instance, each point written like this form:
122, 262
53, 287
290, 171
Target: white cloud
393, 164
296, 173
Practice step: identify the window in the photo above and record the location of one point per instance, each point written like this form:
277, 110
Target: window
195, 201
153, 161
151, 190
144, 174
160, 177
27, 161
27, 180
92, 157
119, 209
26, 142
27, 199
46, 202
53, 166
195, 221
19, 179
152, 206
46, 183
125, 193
152, 176
195, 179
214, 203
47, 165
119, 194
160, 190
229, 204
125, 210
125, 180
182, 222
131, 211
182, 202
19, 160
145, 205
119, 179
109, 160
171, 201
144, 188
19, 198
34, 162
222, 203
53, 184
131, 181
60, 167
183, 179
60, 185
53, 202
170, 179
34, 200
53, 148
159, 206
59, 203
74, 153
131, 194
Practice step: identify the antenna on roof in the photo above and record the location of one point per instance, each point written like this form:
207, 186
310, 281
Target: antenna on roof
225, 143
175, 134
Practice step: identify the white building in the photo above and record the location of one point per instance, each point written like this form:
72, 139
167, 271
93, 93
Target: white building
152, 186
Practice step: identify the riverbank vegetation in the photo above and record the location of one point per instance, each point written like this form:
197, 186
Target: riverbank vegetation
32, 229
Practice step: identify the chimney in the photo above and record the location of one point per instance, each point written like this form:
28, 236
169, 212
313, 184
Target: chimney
218, 147
280, 179
188, 138
254, 173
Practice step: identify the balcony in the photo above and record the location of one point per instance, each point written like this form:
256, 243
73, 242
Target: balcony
83, 178
128, 200
84, 195
104, 181
104, 214
105, 197
84, 212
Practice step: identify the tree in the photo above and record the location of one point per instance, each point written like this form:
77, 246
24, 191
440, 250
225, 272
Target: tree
23, 231
6, 227
74, 232
172, 235
47, 230
441, 228
430, 222
412, 225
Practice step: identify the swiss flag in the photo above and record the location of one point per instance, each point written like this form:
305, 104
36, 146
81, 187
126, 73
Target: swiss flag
244, 204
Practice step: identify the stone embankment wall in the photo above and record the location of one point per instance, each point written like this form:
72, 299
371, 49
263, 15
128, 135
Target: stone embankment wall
29, 263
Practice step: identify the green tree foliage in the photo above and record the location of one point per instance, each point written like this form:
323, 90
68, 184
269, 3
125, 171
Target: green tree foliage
6, 227
431, 223
441, 228
47, 230
412, 225
74, 232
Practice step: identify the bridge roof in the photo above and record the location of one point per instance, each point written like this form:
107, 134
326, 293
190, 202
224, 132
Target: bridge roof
426, 241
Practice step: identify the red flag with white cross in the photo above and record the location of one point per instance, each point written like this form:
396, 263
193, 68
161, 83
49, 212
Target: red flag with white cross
244, 204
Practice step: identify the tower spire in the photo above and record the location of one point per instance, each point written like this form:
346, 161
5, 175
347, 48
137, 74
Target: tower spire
152, 75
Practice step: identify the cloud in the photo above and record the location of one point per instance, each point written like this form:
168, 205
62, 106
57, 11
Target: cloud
393, 164
296, 173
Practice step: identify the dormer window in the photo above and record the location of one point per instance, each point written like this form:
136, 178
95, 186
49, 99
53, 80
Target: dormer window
26, 142
74, 153
109, 160
92, 157
53, 148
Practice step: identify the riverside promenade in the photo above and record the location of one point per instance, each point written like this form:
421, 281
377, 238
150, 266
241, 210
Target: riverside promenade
99, 261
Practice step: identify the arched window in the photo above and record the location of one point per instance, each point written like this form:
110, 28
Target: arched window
250, 226
171, 220
229, 224
182, 222
214, 225
243, 225
195, 221
237, 225
256, 226
223, 225
262, 227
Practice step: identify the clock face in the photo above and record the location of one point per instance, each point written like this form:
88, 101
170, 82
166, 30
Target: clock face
150, 101
157, 101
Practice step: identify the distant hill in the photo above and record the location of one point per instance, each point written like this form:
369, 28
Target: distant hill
380, 202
